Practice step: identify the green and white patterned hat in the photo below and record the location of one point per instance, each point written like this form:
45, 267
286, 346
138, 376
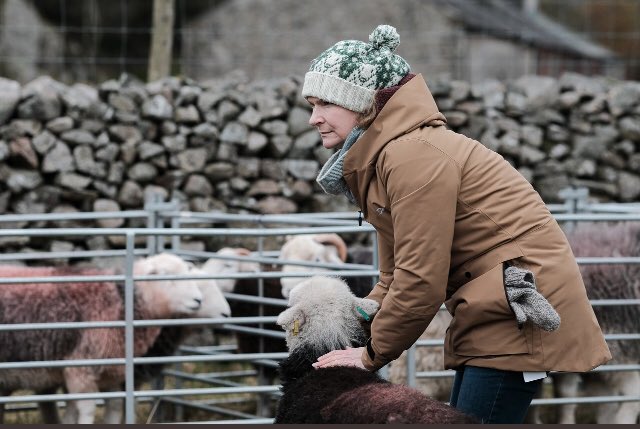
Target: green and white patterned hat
349, 72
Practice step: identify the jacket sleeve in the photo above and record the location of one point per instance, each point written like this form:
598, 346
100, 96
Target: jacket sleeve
422, 186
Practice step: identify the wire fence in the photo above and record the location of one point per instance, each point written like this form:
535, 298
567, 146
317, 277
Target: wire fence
94, 40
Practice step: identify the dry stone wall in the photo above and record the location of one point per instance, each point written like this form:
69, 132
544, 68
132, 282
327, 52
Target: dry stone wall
239, 146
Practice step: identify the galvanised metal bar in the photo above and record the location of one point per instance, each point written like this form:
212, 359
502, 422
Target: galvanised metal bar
270, 260
594, 217
139, 394
141, 360
129, 402
210, 408
129, 214
264, 275
200, 232
258, 331
586, 400
136, 323
76, 254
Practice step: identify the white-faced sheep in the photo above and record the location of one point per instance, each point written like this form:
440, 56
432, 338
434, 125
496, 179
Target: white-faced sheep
324, 315
80, 301
608, 281
322, 248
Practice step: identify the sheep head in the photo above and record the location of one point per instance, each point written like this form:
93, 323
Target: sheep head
229, 266
167, 298
323, 248
214, 304
323, 314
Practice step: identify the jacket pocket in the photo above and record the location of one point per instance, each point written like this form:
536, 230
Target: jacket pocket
483, 323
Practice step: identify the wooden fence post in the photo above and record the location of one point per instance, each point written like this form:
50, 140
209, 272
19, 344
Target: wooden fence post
161, 39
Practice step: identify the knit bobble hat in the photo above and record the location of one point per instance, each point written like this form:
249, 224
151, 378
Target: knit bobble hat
349, 72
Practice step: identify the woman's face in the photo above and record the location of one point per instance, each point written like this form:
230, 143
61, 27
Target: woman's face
334, 123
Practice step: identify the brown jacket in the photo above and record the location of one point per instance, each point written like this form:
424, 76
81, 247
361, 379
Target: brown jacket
448, 212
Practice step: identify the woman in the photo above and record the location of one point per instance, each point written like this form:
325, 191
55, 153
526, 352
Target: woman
456, 223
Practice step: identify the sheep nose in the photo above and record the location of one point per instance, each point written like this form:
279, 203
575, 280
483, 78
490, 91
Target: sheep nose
198, 301
226, 315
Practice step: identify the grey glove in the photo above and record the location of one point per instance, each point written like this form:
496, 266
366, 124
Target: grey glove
526, 302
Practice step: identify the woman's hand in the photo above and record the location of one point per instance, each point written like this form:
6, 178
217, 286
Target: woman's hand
348, 357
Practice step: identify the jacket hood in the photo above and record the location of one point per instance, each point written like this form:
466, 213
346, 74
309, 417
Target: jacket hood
411, 107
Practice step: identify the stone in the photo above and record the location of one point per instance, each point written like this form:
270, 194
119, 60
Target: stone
263, 187
58, 159
256, 142
125, 133
40, 99
303, 169
108, 205
78, 137
130, 195
148, 150
21, 148
227, 110
629, 186
192, 160
108, 153
248, 168
250, 117
622, 98
174, 144
280, 145
630, 128
275, 128
73, 181
187, 114
157, 108
10, 90
198, 185
298, 121
142, 172
276, 205
235, 132
43, 142
19, 180
218, 171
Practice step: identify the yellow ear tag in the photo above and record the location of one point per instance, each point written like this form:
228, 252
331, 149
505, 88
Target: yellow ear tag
296, 327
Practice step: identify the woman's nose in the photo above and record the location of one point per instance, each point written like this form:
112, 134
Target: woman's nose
315, 118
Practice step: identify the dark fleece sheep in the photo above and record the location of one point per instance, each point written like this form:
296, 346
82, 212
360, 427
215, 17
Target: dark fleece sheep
324, 315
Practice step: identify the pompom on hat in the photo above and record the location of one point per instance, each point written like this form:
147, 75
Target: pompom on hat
349, 73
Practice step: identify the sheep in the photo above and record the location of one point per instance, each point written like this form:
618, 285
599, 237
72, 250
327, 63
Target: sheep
324, 315
80, 301
324, 248
214, 305
607, 281
310, 248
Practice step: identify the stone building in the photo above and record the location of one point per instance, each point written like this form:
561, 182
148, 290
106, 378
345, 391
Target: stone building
471, 40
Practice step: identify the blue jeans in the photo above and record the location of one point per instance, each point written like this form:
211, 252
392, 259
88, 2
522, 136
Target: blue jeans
492, 395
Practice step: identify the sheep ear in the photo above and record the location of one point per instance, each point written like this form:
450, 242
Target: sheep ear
291, 319
366, 308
